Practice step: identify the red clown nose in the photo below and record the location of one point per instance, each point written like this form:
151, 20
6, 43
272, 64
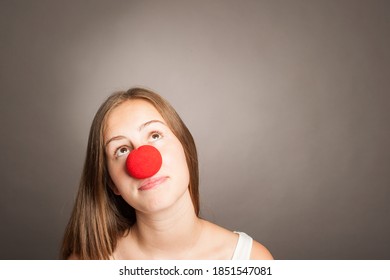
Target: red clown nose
144, 162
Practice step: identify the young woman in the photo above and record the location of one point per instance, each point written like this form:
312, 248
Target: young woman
119, 214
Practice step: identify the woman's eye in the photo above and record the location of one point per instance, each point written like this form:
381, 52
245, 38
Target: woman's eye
155, 136
122, 151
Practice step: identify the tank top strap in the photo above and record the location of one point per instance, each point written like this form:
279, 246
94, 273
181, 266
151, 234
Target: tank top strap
243, 248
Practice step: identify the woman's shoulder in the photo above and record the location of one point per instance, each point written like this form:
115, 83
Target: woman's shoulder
219, 243
220, 233
260, 252
230, 240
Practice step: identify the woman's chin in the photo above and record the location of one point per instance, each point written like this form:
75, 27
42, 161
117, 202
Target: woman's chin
156, 202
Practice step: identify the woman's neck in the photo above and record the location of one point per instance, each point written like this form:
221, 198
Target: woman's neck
171, 233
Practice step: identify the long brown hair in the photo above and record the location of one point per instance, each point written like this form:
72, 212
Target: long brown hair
100, 217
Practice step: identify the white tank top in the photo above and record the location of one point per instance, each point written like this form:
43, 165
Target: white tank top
243, 248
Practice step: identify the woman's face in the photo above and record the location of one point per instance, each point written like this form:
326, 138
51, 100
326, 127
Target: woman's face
130, 125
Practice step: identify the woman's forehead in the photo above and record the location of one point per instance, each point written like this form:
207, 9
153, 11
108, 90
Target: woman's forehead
131, 113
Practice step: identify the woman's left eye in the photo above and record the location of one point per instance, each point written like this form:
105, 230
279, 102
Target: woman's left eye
155, 135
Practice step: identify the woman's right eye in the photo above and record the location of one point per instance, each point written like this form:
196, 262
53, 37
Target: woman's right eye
122, 151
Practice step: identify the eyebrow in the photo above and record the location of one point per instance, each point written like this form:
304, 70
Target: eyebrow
142, 126
149, 123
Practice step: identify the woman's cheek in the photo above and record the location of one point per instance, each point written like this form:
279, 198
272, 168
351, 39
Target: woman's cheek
178, 163
117, 171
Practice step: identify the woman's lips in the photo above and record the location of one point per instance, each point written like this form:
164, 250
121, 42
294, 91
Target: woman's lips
151, 183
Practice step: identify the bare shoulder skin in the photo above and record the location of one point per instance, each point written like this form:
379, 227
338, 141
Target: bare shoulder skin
259, 252
227, 241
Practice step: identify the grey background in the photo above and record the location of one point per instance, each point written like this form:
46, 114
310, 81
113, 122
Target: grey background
288, 102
